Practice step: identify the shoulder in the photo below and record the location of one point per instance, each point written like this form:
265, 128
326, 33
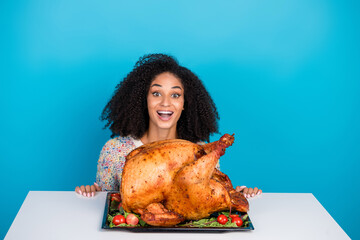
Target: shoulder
120, 145
119, 141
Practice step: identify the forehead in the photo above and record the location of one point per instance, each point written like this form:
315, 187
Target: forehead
167, 79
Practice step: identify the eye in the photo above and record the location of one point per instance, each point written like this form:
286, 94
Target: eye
156, 94
175, 95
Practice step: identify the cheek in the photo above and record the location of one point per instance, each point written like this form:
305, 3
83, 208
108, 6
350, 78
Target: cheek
150, 103
180, 105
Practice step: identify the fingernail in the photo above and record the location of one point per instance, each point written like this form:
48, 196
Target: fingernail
258, 193
252, 194
80, 192
84, 194
88, 194
242, 186
92, 194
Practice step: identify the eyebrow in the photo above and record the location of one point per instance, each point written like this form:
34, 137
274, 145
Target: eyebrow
158, 85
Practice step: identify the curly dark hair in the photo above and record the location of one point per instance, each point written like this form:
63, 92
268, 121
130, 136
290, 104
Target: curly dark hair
127, 115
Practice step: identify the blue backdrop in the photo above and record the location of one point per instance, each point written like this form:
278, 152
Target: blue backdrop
285, 76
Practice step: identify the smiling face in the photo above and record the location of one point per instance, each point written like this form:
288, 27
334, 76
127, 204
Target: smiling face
165, 101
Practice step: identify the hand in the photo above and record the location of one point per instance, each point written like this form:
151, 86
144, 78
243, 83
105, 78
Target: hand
88, 191
248, 192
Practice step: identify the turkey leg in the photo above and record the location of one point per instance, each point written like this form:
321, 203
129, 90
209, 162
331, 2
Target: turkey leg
155, 214
225, 141
204, 167
194, 194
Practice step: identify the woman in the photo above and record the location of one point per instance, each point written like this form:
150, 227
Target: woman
157, 100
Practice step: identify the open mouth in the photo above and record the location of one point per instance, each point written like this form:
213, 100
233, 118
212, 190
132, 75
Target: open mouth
165, 115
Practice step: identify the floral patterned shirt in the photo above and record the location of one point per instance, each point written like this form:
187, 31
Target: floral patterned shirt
112, 160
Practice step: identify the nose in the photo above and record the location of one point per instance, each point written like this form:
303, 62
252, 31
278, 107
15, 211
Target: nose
165, 101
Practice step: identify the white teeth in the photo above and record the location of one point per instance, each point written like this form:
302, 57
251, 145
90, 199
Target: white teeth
165, 112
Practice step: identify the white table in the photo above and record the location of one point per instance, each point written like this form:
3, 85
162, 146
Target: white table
67, 215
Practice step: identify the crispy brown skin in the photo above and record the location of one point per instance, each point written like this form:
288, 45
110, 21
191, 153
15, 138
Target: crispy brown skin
170, 181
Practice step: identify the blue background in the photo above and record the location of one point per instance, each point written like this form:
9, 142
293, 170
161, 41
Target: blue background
285, 76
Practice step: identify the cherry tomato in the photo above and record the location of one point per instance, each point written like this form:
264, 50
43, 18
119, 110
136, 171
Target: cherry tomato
131, 219
234, 215
238, 221
116, 197
118, 219
222, 219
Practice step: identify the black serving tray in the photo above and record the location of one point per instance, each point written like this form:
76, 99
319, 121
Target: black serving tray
182, 229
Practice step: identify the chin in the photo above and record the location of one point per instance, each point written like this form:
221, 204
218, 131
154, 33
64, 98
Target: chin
165, 126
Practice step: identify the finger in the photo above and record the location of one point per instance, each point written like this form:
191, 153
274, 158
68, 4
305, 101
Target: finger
255, 191
83, 191
259, 192
93, 190
77, 190
87, 190
240, 188
97, 187
251, 192
245, 191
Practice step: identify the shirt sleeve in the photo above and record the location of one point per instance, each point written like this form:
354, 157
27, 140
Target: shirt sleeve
109, 162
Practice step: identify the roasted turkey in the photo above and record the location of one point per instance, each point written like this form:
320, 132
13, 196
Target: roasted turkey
170, 181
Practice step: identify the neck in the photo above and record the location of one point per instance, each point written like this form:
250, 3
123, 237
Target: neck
153, 135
